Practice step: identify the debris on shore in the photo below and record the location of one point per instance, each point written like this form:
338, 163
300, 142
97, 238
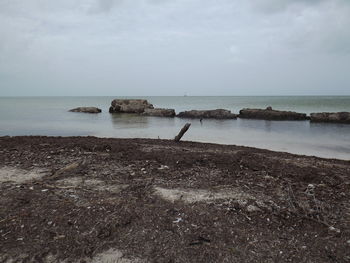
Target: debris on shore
87, 199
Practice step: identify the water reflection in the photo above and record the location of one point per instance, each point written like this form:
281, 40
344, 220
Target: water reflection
127, 121
337, 129
268, 126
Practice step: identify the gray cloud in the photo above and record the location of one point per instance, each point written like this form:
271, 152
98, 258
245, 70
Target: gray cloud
162, 47
272, 6
104, 5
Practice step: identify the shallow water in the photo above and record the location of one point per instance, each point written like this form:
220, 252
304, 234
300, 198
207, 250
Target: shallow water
50, 116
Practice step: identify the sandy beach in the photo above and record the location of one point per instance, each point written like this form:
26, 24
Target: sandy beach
87, 199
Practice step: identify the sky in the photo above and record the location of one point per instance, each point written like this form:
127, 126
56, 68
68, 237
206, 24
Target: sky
174, 47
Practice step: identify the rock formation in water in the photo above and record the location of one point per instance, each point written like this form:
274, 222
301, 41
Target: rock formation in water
129, 106
270, 114
86, 110
208, 114
335, 117
158, 112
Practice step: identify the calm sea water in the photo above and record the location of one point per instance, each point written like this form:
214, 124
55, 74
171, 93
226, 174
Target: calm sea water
50, 116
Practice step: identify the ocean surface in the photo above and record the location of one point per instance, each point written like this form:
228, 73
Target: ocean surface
50, 116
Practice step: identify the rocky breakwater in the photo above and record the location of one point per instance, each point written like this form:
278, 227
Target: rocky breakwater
208, 114
270, 114
334, 117
129, 106
158, 112
86, 110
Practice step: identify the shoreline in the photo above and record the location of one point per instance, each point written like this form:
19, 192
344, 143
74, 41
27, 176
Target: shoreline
51, 117
145, 200
203, 142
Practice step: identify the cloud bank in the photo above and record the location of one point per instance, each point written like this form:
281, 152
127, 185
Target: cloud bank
163, 47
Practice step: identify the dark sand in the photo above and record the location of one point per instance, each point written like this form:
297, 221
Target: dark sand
86, 199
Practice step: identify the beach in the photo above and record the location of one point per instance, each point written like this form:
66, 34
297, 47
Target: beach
174, 131
88, 199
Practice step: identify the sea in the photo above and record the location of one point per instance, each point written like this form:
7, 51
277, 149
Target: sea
49, 116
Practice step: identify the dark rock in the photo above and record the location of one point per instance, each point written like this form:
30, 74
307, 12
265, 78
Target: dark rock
159, 112
129, 106
208, 114
86, 110
335, 117
270, 114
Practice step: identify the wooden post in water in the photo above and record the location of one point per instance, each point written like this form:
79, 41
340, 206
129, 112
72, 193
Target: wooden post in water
182, 132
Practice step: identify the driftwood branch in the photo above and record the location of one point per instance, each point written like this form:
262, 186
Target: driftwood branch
182, 132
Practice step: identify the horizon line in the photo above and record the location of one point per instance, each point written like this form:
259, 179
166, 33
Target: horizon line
308, 95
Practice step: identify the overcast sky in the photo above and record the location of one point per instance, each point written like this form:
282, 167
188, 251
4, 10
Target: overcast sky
174, 47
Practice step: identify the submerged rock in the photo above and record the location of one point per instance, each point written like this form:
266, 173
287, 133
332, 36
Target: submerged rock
129, 106
159, 112
270, 114
208, 114
86, 110
335, 117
